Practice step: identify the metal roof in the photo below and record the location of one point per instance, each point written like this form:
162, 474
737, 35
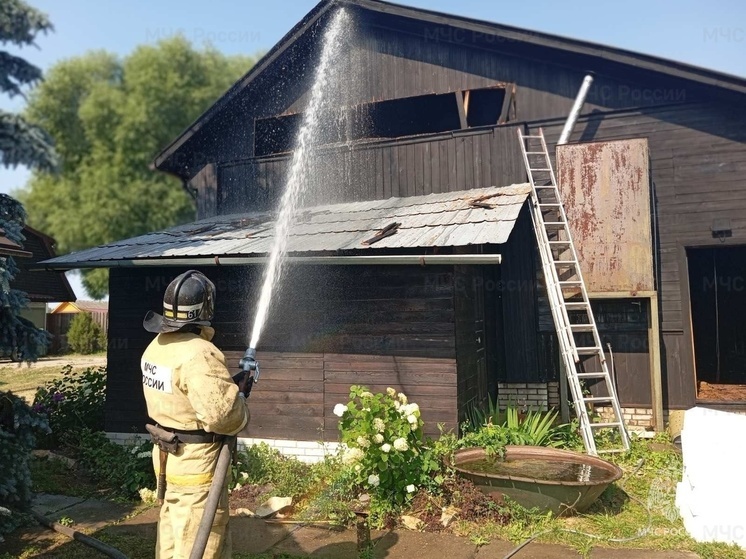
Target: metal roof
453, 219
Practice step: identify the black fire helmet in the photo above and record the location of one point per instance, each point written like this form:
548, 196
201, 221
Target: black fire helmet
189, 300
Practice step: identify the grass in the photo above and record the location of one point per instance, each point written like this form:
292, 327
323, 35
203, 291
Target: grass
620, 517
23, 380
50, 475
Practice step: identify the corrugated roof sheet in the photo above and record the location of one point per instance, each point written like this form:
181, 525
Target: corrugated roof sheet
435, 220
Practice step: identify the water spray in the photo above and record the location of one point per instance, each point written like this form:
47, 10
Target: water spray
296, 181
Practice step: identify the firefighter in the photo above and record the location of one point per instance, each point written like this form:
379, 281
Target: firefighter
194, 401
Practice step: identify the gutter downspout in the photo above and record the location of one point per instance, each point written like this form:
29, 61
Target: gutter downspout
572, 118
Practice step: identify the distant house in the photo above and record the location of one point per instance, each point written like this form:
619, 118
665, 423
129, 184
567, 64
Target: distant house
41, 286
59, 319
658, 153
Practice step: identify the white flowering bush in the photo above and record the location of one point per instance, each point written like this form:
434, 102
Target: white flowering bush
385, 444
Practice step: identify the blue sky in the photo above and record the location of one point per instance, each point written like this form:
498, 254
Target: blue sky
709, 34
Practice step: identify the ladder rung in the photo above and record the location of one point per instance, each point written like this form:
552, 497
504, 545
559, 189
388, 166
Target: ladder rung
565, 263
571, 282
545, 186
549, 204
598, 399
535, 152
582, 327
579, 305
555, 224
610, 424
594, 374
565, 243
612, 451
591, 350
533, 137
542, 169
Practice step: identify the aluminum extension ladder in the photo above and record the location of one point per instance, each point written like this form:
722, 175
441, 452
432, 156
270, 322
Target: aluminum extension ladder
568, 299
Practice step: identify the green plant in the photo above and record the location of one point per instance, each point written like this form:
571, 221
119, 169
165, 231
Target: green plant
262, 465
385, 444
18, 424
493, 438
84, 335
532, 427
123, 469
72, 402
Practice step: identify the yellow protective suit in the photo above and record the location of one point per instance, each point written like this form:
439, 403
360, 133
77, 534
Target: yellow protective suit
187, 386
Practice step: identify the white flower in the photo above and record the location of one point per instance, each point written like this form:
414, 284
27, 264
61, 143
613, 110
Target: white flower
379, 425
378, 438
410, 488
412, 419
390, 391
411, 409
244, 475
374, 480
358, 467
147, 495
402, 398
144, 454
413, 426
352, 455
366, 394
339, 410
386, 448
401, 444
363, 442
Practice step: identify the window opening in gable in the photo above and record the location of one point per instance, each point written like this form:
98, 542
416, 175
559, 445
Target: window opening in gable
394, 118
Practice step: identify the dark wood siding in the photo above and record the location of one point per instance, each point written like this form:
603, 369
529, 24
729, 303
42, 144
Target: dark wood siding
697, 166
476, 158
331, 327
471, 342
519, 293
390, 58
205, 186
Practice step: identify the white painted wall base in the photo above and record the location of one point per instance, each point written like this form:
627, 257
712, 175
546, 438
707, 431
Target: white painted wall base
305, 451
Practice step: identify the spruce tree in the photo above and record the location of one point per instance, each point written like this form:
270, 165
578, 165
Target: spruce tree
21, 143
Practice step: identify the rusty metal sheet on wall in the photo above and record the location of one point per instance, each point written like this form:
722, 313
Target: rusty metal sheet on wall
606, 193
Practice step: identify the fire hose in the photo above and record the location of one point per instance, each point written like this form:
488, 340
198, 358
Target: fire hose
249, 366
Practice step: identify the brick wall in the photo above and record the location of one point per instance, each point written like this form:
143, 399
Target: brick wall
530, 395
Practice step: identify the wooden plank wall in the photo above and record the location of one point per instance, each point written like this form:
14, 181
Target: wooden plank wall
297, 392
422, 165
335, 326
697, 165
519, 308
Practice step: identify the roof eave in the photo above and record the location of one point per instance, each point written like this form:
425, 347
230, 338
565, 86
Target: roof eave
282, 45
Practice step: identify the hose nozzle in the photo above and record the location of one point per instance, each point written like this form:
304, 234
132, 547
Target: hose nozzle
248, 363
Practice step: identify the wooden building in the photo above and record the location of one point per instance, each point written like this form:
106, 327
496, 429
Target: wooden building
60, 318
431, 104
40, 286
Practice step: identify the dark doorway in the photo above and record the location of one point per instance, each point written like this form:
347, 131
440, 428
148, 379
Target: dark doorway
717, 288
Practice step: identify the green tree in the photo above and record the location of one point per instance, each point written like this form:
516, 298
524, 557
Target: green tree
84, 335
109, 118
19, 338
21, 143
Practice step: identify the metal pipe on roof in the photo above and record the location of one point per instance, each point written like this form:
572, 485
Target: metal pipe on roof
382, 260
575, 111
